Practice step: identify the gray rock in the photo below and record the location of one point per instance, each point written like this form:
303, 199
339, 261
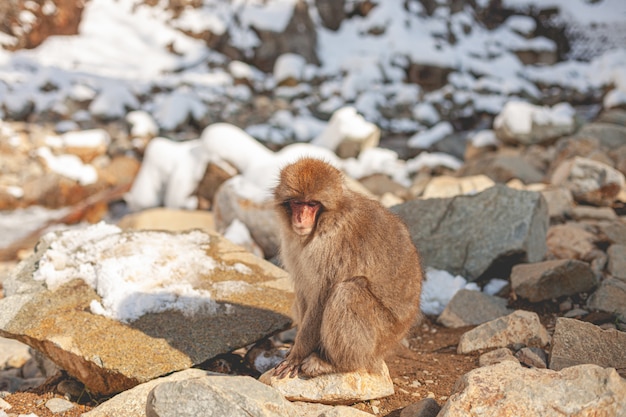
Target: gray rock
614, 116
335, 389
427, 407
617, 261
589, 181
507, 389
232, 396
570, 241
533, 357
502, 167
610, 135
613, 231
518, 327
259, 217
496, 356
132, 402
465, 235
552, 279
575, 342
332, 12
610, 297
592, 213
252, 300
468, 308
540, 123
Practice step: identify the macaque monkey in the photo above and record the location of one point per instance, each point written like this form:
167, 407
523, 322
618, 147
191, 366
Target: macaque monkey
357, 275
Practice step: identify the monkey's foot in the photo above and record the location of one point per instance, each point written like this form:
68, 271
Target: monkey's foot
314, 366
286, 368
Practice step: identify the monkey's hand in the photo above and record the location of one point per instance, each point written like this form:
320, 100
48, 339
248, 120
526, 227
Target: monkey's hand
288, 367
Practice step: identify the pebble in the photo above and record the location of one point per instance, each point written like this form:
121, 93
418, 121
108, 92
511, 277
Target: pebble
58, 405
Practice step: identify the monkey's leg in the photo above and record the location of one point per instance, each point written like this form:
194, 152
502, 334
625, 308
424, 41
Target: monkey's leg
353, 323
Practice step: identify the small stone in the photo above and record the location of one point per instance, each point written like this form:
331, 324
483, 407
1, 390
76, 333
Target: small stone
518, 327
496, 356
427, 407
610, 297
532, 357
58, 405
617, 261
468, 308
576, 312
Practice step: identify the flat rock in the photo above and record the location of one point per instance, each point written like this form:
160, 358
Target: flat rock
174, 220
322, 410
496, 356
507, 389
250, 299
233, 396
507, 225
560, 202
589, 181
335, 389
467, 308
576, 342
518, 327
610, 297
551, 279
533, 357
610, 135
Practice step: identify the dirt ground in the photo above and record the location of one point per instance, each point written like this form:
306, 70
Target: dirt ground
429, 369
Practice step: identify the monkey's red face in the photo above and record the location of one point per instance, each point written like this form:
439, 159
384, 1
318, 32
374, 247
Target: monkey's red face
303, 215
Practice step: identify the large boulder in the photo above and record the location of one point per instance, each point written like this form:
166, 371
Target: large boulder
508, 389
118, 308
466, 235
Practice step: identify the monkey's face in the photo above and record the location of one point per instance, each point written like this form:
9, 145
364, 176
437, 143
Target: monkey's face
303, 215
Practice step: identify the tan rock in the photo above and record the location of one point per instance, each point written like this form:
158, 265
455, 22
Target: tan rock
507, 389
168, 219
570, 241
109, 356
518, 327
342, 388
447, 186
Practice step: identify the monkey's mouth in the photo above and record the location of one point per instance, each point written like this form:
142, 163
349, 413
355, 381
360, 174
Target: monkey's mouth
302, 231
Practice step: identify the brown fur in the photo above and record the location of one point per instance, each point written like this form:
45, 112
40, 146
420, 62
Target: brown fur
357, 274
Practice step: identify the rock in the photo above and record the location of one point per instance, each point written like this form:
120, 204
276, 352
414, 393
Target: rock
236, 396
335, 389
496, 356
380, 184
552, 279
446, 186
570, 147
429, 77
560, 202
232, 203
322, 410
570, 241
13, 354
617, 261
289, 69
133, 402
614, 116
214, 176
610, 135
427, 407
250, 299
575, 342
518, 327
59, 405
579, 213
168, 219
513, 229
532, 357
613, 231
331, 12
468, 308
524, 123
610, 297
509, 389
589, 181
502, 167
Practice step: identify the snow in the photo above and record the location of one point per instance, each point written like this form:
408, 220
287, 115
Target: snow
438, 289
133, 273
519, 117
92, 138
69, 166
426, 139
289, 66
142, 124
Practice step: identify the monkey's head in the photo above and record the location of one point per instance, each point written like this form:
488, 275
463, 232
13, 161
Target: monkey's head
306, 189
